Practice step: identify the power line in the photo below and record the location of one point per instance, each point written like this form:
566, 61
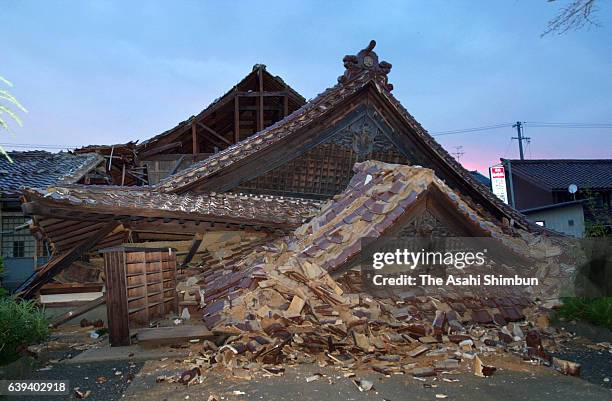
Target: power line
534, 124
569, 125
34, 145
468, 130
507, 148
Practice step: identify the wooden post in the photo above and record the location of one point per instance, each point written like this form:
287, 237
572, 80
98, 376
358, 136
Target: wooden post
194, 138
116, 297
260, 104
236, 119
123, 175
285, 106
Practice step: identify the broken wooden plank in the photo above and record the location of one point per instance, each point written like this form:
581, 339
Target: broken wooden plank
236, 119
165, 335
177, 165
195, 244
64, 317
260, 103
295, 308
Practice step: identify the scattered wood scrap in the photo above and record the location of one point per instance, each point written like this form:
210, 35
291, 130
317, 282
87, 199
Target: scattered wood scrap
64, 317
166, 335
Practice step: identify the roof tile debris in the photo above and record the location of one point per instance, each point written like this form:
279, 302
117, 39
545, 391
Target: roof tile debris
281, 304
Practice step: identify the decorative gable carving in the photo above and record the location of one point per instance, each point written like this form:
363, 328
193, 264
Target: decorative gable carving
366, 61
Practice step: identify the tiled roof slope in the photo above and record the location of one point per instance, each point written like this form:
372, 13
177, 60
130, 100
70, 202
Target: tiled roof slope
311, 112
116, 200
378, 196
40, 169
558, 174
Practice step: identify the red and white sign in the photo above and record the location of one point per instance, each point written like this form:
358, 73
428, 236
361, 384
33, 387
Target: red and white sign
498, 182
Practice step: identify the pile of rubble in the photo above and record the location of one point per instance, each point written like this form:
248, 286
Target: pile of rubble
299, 314
281, 305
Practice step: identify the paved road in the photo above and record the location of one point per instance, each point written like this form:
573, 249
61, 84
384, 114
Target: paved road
82, 376
504, 385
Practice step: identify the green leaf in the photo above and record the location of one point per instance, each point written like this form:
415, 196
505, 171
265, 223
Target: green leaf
6, 155
6, 81
10, 98
4, 109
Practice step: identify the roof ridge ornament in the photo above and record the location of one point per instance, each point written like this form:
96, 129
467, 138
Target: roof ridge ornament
366, 60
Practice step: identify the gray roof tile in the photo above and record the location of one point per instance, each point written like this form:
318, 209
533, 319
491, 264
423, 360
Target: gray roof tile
40, 169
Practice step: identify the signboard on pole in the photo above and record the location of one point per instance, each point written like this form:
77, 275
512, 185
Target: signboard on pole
498, 182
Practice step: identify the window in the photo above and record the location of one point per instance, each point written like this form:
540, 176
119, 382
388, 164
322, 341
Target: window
17, 242
18, 249
541, 223
570, 222
598, 199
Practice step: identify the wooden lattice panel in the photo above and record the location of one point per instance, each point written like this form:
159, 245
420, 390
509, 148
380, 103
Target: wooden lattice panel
320, 173
141, 288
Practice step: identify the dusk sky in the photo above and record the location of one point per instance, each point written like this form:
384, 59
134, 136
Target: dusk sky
103, 72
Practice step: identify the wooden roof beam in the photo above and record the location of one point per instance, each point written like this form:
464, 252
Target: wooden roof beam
194, 139
159, 149
213, 132
260, 103
262, 94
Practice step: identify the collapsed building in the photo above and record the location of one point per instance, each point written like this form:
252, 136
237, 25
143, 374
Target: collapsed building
21, 251
263, 235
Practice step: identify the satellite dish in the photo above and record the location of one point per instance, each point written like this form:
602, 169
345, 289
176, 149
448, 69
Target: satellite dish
573, 188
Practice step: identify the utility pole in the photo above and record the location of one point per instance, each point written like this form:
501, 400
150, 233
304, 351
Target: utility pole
458, 152
520, 137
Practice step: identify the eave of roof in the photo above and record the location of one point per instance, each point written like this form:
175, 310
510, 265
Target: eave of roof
552, 206
265, 211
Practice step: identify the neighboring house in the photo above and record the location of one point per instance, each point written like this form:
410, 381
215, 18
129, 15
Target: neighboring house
484, 180
542, 183
21, 251
565, 217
